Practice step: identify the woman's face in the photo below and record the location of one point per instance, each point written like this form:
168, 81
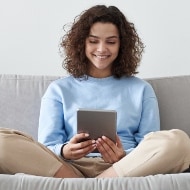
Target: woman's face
102, 48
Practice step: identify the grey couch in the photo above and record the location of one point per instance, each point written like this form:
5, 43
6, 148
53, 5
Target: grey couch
20, 98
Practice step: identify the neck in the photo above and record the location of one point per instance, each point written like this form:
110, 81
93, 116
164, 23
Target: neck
99, 74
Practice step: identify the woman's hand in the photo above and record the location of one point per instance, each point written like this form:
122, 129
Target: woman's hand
111, 152
78, 147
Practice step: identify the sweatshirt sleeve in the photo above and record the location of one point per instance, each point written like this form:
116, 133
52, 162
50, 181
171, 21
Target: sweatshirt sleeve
150, 119
51, 131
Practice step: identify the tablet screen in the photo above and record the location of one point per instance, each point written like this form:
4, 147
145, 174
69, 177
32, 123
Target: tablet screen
97, 123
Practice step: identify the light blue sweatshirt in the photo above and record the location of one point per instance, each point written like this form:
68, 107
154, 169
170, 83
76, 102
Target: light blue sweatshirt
132, 98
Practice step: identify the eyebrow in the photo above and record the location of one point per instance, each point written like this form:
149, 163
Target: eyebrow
106, 38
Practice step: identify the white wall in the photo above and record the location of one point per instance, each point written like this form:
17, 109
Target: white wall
30, 32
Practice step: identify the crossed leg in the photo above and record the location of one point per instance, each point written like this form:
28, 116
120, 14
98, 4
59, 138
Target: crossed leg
159, 153
19, 153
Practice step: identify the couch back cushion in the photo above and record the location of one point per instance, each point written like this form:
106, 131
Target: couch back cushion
173, 94
20, 98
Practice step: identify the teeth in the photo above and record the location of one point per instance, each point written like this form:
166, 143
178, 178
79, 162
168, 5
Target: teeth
102, 56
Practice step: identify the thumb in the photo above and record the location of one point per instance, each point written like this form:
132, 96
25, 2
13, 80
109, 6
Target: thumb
118, 142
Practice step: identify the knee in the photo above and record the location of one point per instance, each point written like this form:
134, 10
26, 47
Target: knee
178, 136
3, 148
6, 145
176, 140
3, 154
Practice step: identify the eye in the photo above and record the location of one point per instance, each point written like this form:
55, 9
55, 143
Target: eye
111, 42
93, 41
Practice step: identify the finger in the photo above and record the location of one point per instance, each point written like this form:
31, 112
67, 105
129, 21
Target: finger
108, 141
102, 151
81, 145
120, 148
79, 137
106, 151
84, 146
110, 150
111, 144
117, 148
79, 153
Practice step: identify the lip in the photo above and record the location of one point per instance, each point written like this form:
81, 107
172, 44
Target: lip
102, 56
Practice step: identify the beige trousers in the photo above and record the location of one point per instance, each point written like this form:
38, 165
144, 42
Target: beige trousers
159, 152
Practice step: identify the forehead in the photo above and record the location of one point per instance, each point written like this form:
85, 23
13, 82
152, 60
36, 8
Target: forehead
100, 29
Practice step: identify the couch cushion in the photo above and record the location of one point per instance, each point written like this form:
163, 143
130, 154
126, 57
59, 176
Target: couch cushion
157, 182
20, 98
173, 95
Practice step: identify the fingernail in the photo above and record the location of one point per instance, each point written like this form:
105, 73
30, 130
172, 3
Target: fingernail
104, 137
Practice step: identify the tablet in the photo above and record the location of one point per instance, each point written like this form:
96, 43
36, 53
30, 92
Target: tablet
97, 123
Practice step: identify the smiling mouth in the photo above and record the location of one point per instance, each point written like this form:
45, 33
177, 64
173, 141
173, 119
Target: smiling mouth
102, 56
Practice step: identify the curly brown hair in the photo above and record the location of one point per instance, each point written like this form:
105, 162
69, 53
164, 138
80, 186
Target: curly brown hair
73, 42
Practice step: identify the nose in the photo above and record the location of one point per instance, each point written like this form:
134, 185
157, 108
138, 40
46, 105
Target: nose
101, 47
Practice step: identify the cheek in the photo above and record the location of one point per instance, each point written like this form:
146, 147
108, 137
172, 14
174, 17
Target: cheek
117, 51
86, 49
88, 52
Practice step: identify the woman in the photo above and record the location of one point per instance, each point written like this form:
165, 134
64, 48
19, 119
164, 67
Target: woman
102, 53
